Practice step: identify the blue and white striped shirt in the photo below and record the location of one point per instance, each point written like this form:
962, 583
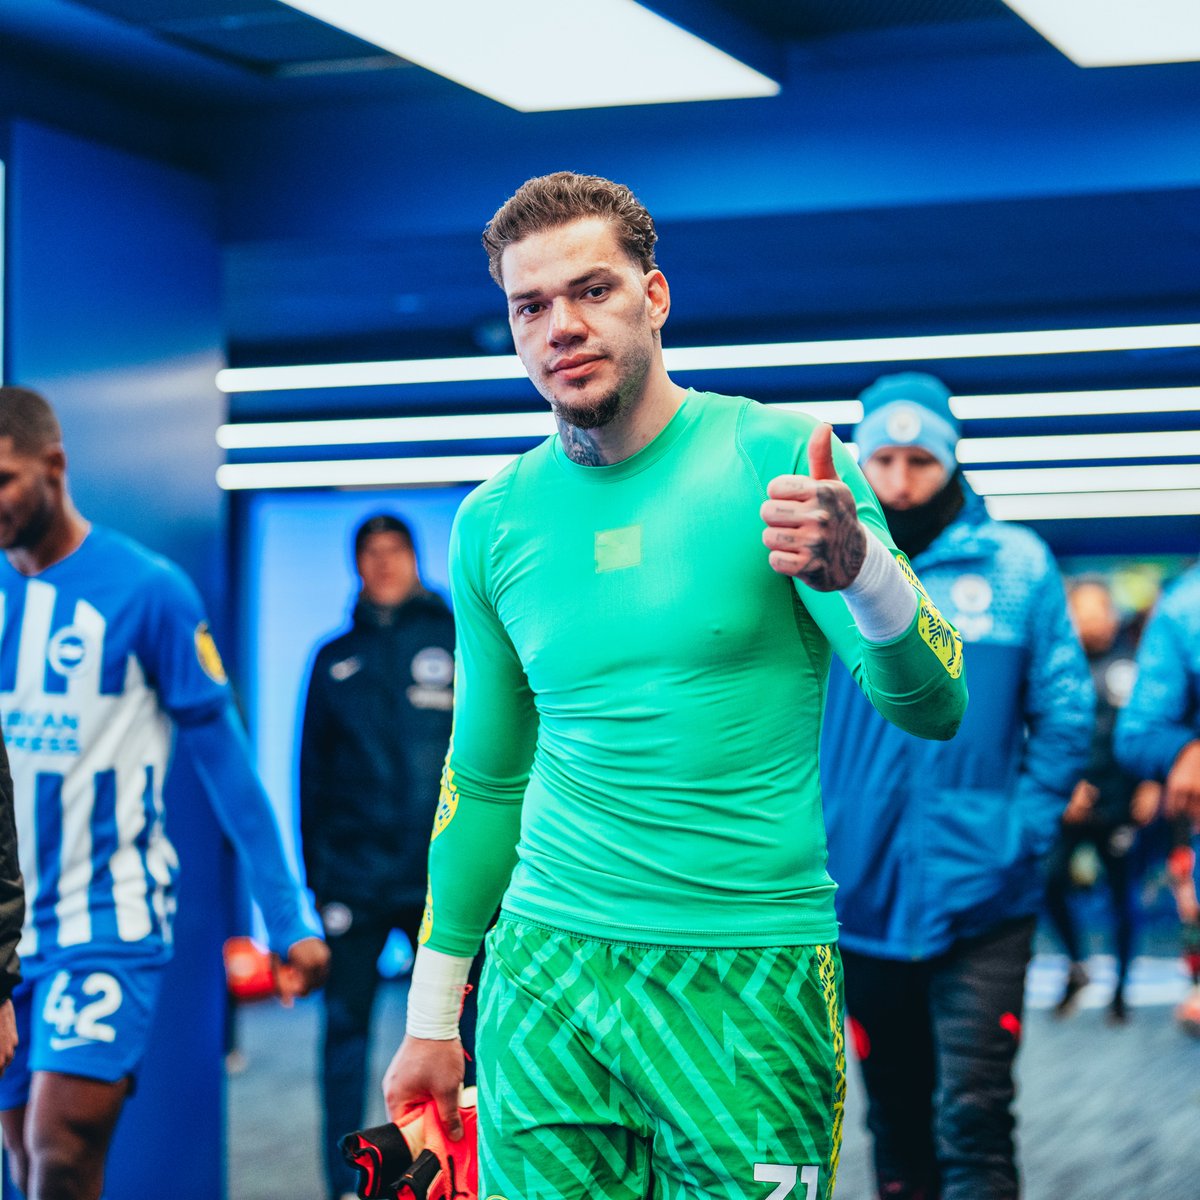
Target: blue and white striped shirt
99, 655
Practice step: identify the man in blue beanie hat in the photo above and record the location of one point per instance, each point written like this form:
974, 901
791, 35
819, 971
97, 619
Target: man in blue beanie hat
937, 848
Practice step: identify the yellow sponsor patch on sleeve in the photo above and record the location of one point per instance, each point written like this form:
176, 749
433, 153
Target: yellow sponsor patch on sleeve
935, 631
426, 930
447, 804
911, 575
941, 637
208, 655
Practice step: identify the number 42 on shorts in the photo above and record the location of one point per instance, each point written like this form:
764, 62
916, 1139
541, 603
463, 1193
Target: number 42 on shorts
78, 1026
788, 1176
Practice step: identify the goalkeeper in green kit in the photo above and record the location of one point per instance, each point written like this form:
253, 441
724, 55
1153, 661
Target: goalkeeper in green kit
633, 775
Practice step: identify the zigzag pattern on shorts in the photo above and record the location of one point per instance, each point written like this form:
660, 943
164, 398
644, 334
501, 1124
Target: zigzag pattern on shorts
604, 1066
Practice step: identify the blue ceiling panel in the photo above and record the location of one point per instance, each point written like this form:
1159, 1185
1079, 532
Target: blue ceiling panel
798, 19
273, 40
154, 12
925, 269
253, 33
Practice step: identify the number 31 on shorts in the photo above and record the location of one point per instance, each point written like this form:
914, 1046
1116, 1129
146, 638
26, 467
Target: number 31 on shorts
787, 1177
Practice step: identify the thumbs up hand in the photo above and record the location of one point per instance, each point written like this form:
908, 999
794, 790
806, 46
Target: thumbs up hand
812, 530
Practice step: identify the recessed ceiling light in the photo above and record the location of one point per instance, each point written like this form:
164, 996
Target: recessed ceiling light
1116, 33
573, 54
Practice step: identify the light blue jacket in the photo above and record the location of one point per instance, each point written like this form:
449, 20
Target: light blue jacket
931, 842
1163, 713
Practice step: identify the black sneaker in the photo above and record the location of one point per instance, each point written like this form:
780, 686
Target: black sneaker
1077, 980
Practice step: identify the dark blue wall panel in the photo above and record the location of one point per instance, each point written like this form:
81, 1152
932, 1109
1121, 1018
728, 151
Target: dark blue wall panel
113, 312
854, 133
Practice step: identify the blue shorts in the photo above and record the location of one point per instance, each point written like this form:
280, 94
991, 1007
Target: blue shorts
83, 1013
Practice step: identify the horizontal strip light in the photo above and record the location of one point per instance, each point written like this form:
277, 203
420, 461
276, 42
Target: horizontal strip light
449, 468
723, 358
366, 431
579, 54
1116, 33
371, 374
1086, 505
1068, 446
361, 472
1035, 480
456, 427
470, 468
454, 469
1076, 404
369, 431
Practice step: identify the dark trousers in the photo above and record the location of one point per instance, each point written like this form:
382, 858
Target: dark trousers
1112, 844
349, 996
936, 1041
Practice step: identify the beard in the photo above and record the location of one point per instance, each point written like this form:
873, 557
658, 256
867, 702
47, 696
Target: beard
30, 531
591, 414
914, 529
603, 410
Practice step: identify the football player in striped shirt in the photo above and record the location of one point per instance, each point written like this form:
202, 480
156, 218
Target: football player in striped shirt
105, 660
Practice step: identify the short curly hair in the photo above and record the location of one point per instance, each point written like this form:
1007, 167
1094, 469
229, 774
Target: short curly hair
552, 200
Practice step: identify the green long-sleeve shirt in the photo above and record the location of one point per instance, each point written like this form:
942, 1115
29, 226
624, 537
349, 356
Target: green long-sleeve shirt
638, 697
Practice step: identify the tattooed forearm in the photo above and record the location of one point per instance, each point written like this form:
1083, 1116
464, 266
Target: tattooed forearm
580, 444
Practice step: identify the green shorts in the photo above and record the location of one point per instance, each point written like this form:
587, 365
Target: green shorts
627, 1072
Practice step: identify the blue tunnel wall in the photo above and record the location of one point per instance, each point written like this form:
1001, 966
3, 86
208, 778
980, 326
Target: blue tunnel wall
112, 305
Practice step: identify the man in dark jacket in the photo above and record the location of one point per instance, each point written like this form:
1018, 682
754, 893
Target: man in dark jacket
376, 727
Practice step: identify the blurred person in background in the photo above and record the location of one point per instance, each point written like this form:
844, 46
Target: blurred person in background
939, 849
1158, 737
1106, 805
376, 728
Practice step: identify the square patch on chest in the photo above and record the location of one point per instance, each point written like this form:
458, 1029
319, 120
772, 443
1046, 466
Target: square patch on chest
617, 549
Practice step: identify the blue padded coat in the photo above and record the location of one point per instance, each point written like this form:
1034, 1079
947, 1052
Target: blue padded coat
931, 842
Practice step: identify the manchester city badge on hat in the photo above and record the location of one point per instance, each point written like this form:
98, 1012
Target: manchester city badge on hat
908, 409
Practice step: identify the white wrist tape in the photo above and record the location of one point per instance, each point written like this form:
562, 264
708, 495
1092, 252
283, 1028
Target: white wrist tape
881, 600
435, 995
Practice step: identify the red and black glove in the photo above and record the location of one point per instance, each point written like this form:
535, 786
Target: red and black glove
416, 1160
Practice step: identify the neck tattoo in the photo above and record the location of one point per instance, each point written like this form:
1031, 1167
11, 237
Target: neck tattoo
580, 444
